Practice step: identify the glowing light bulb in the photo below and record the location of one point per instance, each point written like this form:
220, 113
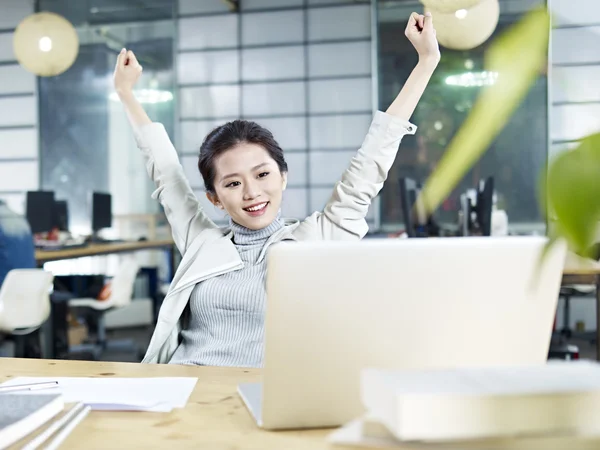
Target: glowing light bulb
45, 44
461, 13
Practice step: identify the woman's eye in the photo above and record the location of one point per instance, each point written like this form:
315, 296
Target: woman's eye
263, 174
233, 184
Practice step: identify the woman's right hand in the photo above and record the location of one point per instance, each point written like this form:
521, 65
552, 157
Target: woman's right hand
127, 72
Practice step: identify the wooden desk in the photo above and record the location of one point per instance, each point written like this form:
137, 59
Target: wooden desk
215, 417
589, 276
44, 256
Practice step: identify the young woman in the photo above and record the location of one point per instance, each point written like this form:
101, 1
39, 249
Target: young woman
214, 311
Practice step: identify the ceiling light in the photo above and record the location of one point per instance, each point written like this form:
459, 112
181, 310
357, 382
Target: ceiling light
147, 96
472, 79
448, 6
45, 44
461, 13
466, 28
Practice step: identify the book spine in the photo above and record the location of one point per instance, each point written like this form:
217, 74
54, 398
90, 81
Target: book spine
450, 417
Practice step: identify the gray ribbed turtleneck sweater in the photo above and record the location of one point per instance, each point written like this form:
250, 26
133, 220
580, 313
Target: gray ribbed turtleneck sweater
226, 324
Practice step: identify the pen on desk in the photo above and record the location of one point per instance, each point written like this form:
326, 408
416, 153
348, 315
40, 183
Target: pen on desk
29, 386
64, 433
36, 442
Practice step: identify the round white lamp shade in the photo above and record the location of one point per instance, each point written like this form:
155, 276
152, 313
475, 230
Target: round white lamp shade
466, 29
448, 6
45, 44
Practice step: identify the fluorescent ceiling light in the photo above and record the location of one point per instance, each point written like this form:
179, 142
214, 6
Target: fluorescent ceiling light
147, 96
471, 79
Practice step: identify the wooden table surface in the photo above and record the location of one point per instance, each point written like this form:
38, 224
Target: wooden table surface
94, 249
214, 418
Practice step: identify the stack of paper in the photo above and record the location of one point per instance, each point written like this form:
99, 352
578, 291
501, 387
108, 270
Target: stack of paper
467, 404
118, 394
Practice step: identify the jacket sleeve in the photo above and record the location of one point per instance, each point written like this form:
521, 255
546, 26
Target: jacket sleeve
173, 191
343, 217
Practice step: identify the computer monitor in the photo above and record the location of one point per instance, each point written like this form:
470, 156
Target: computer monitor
408, 196
39, 211
61, 215
483, 208
101, 211
476, 209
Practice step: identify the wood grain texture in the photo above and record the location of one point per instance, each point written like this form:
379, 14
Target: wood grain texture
214, 418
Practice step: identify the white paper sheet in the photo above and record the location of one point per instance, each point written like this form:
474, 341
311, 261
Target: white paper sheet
118, 394
352, 434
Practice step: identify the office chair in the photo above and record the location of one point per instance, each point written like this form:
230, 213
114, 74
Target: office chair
24, 305
121, 294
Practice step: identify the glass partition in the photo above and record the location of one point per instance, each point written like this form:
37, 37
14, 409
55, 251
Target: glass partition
514, 159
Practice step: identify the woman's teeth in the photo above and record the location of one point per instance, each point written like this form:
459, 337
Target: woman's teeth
257, 207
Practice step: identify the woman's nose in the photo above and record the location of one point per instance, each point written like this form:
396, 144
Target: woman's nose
251, 191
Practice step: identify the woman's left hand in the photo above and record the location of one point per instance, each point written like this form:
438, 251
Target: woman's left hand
421, 34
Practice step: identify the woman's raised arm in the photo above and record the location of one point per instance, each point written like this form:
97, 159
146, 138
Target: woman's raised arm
344, 215
184, 213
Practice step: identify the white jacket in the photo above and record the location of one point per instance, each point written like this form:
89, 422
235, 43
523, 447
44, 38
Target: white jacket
208, 251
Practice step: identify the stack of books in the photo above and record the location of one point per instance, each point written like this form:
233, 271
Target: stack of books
558, 400
29, 419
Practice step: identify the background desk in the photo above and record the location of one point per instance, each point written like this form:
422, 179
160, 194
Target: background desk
44, 256
58, 347
214, 418
589, 276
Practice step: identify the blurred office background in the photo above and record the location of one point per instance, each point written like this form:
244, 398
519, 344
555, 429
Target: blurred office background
312, 71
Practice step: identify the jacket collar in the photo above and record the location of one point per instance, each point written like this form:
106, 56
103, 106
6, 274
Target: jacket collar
289, 226
212, 252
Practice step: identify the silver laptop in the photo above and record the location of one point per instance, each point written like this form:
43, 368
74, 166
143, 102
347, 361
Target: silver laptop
334, 308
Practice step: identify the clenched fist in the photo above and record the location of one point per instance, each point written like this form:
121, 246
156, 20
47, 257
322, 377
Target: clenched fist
127, 72
421, 34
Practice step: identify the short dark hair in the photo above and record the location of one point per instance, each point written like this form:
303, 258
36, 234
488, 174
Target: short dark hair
229, 135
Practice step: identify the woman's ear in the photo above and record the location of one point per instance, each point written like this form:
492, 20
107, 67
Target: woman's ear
284, 180
214, 200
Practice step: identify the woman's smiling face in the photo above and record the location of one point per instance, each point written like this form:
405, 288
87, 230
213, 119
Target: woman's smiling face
248, 185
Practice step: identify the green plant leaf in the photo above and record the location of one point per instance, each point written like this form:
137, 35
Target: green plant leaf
572, 192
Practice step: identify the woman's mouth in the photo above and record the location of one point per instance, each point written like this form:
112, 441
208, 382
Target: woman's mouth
257, 210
